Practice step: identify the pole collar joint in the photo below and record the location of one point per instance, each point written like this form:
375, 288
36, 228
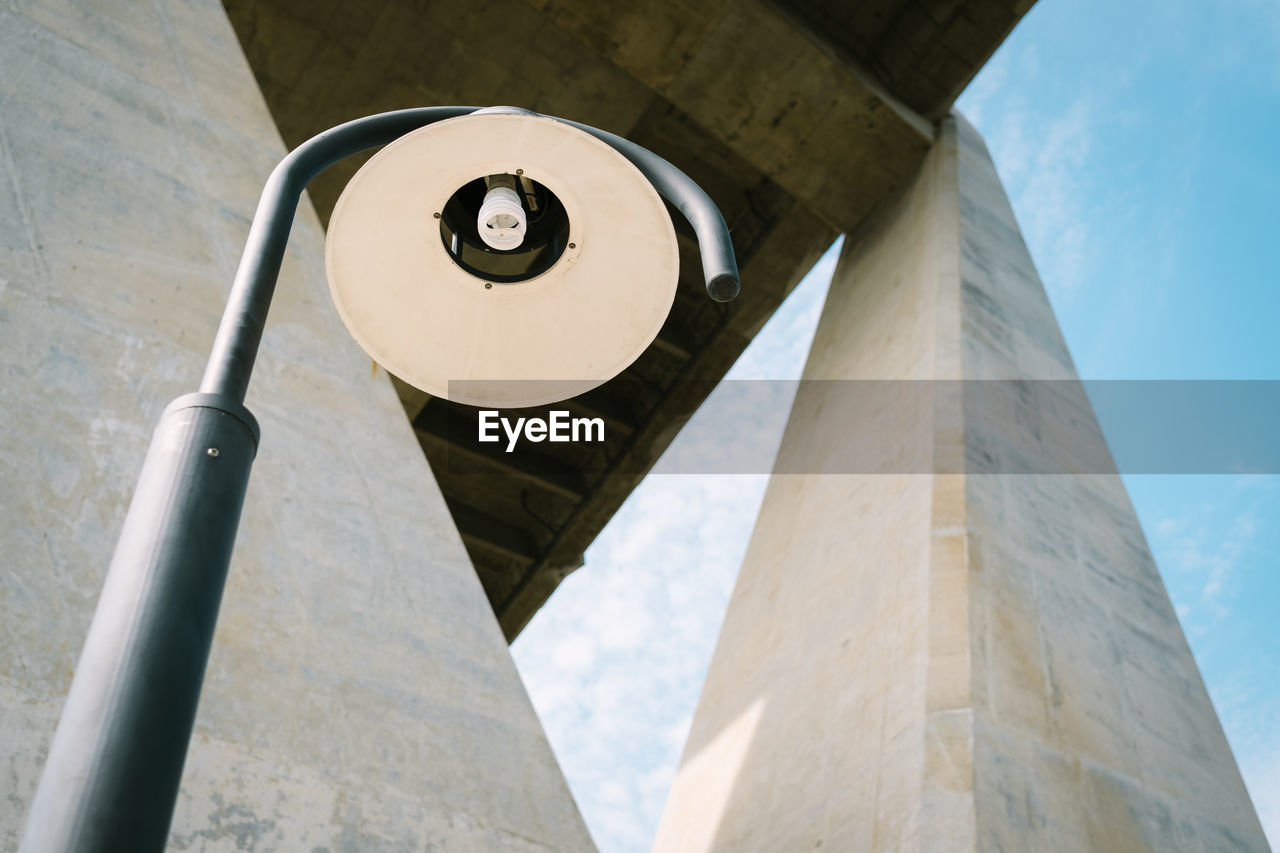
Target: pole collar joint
221, 403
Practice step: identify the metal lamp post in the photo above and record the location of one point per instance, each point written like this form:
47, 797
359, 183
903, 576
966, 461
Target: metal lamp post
111, 779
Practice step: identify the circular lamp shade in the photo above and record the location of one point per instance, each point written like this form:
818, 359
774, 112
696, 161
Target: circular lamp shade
494, 341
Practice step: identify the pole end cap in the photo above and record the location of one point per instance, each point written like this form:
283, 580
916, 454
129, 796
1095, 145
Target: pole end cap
723, 287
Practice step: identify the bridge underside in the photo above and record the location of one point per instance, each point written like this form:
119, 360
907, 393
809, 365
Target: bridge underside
800, 117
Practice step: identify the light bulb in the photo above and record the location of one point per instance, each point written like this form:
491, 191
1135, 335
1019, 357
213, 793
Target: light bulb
501, 221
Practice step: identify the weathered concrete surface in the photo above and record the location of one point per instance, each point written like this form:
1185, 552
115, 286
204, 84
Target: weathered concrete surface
360, 695
924, 51
949, 661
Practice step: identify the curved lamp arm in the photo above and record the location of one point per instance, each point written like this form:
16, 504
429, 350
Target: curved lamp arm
236, 346
241, 329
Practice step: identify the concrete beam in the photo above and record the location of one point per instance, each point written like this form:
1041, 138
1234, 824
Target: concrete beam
803, 115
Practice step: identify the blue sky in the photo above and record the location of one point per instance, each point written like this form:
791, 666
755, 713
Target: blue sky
1138, 143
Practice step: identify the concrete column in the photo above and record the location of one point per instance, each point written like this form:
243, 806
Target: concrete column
360, 695
935, 657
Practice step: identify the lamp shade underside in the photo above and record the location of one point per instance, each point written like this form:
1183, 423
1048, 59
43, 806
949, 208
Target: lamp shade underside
453, 333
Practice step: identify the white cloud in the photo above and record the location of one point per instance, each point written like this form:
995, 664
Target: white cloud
1197, 551
614, 663
1046, 158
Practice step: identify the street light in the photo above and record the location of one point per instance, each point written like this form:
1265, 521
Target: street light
437, 303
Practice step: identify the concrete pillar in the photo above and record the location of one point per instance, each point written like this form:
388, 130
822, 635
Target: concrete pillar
360, 695
937, 658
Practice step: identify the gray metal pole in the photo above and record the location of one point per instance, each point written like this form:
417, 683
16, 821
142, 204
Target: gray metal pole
111, 778
110, 782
